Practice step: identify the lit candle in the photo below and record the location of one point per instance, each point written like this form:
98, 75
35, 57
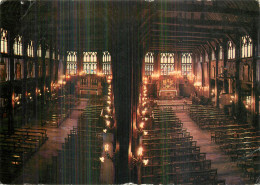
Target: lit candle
106, 147
102, 159
145, 161
140, 151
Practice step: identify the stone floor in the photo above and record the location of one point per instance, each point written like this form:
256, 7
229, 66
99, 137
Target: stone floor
32, 170
226, 169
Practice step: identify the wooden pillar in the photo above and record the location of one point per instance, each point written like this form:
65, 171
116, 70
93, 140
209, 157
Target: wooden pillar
202, 70
44, 76
179, 56
24, 80
36, 80
225, 58
100, 62
51, 67
157, 61
209, 72
79, 59
124, 61
237, 81
254, 89
216, 78
10, 106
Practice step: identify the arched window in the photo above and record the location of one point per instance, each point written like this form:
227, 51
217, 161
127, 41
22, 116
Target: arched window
47, 54
231, 50
206, 57
213, 55
39, 51
167, 63
106, 63
186, 63
246, 47
149, 63
90, 62
4, 41
30, 49
220, 53
53, 54
72, 62
18, 46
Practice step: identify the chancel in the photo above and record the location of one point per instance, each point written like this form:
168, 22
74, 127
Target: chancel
140, 91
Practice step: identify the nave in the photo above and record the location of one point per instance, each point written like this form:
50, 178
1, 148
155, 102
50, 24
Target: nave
144, 91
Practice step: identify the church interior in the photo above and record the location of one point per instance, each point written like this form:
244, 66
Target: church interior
135, 91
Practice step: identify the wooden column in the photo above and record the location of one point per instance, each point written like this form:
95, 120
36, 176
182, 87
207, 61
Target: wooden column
99, 61
10, 106
44, 77
209, 72
79, 59
225, 58
124, 64
36, 80
51, 67
24, 80
254, 91
157, 59
216, 78
237, 81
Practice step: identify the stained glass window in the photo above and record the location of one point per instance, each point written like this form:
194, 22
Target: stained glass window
246, 47
39, 51
149, 63
220, 53
18, 46
30, 49
90, 62
47, 55
106, 63
186, 63
4, 41
72, 62
167, 63
231, 50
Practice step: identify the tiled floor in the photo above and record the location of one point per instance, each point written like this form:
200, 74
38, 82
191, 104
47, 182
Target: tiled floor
32, 170
226, 169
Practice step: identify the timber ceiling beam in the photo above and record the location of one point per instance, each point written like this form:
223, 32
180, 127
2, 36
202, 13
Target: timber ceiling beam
194, 7
211, 24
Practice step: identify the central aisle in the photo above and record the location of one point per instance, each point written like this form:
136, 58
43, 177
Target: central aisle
226, 169
34, 167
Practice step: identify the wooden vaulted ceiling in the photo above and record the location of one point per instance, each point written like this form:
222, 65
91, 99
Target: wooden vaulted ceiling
187, 25
168, 25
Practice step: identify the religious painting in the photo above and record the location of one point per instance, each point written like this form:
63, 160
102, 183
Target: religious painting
30, 69
53, 70
47, 68
40, 69
231, 67
245, 73
205, 73
18, 71
2, 71
212, 70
